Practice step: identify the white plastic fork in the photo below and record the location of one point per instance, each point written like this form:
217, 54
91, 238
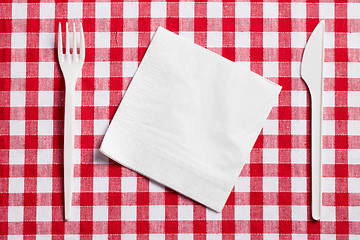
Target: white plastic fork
70, 65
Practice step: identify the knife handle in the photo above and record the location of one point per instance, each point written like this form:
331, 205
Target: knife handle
316, 163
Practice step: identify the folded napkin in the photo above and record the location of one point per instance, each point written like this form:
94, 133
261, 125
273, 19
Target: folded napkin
189, 119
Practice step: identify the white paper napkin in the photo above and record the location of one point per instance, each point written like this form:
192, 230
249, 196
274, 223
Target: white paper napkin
189, 119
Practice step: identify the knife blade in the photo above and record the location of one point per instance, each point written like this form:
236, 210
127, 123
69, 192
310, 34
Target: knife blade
312, 74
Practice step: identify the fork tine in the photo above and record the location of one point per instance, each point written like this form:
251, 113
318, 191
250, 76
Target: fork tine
74, 40
82, 43
60, 46
67, 40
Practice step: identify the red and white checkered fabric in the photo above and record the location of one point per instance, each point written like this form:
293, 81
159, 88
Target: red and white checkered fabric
272, 195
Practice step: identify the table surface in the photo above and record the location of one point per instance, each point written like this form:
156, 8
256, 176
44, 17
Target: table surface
271, 197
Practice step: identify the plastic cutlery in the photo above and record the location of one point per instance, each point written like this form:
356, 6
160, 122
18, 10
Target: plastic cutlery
70, 64
312, 73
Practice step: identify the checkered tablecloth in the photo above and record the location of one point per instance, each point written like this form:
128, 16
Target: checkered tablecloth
271, 199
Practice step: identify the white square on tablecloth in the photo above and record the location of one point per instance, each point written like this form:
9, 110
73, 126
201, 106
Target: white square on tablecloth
298, 10
298, 184
270, 212
100, 237
100, 126
46, 40
214, 39
353, 69
102, 39
242, 212
328, 183
329, 69
270, 10
270, 40
295, 70
353, 40
102, 69
17, 99
298, 98
326, 10
187, 35
44, 213
186, 9
270, 184
354, 213
271, 69
268, 236
185, 212
130, 39
47, 10
45, 127
44, 185
42, 237
298, 39
46, 69
72, 236
242, 9
16, 156
213, 236
158, 9
354, 127
354, 99
75, 10
156, 187
354, 185
100, 213
242, 184
18, 69
44, 156
328, 127
329, 99
271, 127
353, 10
15, 213
45, 98
130, 10
156, 236
328, 213
298, 127
299, 213
328, 156
17, 127
270, 155
129, 68
185, 236
329, 40
128, 213
18, 40
128, 184
157, 212
19, 10
214, 9
16, 185
298, 155
242, 39
353, 156
100, 184
101, 98
212, 215
242, 236
302, 237
102, 10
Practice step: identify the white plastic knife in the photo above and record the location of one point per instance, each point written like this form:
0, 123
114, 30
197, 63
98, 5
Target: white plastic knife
312, 73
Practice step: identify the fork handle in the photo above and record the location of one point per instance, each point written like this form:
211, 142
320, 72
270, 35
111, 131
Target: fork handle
69, 145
